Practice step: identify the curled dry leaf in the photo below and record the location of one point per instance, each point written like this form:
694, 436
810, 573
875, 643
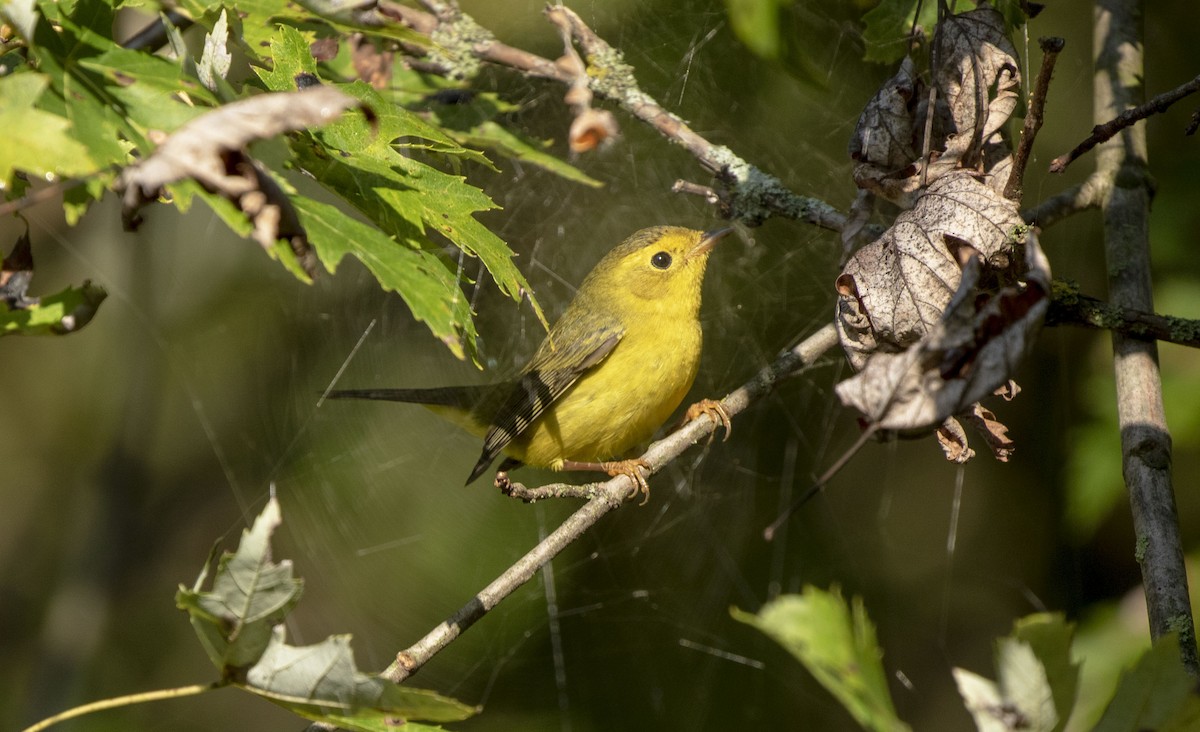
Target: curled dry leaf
211, 149
976, 77
886, 132
976, 72
994, 433
973, 349
953, 440
894, 290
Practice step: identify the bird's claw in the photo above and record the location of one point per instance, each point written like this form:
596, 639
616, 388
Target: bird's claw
714, 410
633, 469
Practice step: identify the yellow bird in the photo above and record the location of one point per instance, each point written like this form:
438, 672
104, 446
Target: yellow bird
609, 373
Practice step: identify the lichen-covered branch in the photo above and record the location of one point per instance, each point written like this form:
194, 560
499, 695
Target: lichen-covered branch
1145, 439
1069, 307
602, 498
754, 196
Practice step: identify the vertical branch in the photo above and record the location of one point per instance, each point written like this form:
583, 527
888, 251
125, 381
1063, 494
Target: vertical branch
1145, 441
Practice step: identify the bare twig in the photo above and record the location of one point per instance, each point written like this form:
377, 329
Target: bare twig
1102, 132
1086, 195
1194, 124
1069, 307
609, 495
1051, 47
1145, 439
695, 189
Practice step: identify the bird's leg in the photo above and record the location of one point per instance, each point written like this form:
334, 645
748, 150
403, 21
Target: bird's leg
633, 468
712, 409
502, 481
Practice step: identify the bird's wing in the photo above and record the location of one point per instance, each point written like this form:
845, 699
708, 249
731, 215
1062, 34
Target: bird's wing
551, 372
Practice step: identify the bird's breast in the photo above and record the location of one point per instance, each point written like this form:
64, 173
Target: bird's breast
622, 401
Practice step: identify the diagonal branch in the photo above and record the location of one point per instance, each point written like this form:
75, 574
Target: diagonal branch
755, 195
605, 497
1051, 47
1106, 131
1086, 195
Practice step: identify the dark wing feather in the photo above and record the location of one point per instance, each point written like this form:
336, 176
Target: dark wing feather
549, 374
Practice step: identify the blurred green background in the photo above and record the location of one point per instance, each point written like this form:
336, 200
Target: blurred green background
127, 449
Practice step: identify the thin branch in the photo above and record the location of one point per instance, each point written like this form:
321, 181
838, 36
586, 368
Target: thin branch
123, 701
1069, 307
1105, 131
54, 190
608, 495
1194, 124
755, 195
1145, 437
1051, 47
1086, 195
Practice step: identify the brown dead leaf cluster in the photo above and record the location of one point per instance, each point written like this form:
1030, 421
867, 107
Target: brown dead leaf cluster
211, 150
937, 312
975, 81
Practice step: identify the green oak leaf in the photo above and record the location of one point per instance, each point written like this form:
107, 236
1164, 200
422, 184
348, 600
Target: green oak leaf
249, 596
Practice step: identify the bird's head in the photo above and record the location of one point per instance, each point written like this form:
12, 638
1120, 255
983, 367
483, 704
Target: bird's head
655, 268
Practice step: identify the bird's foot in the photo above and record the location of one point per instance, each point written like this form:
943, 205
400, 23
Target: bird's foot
632, 468
714, 411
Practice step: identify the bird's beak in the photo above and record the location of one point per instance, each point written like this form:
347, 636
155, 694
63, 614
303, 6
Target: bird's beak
708, 241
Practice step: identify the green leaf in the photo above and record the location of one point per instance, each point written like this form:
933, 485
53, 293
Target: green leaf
215, 60
1050, 638
837, 645
290, 56
36, 142
99, 121
321, 682
427, 285
250, 595
756, 24
1021, 700
1157, 694
20, 14
473, 124
58, 314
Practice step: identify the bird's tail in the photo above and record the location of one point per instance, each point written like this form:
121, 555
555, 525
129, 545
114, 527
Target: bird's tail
462, 397
466, 406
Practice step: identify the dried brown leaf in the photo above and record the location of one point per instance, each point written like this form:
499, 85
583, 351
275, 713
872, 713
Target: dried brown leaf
994, 433
972, 349
371, 65
953, 440
211, 149
902, 282
976, 73
976, 84
886, 133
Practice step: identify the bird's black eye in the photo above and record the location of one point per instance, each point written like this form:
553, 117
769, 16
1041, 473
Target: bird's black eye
662, 260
